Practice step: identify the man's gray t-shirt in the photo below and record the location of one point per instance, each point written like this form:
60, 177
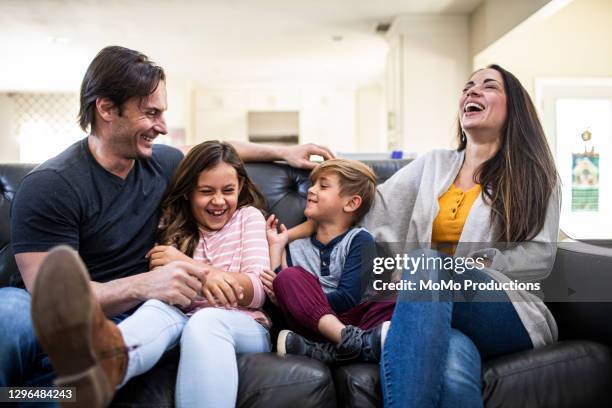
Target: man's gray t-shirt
71, 199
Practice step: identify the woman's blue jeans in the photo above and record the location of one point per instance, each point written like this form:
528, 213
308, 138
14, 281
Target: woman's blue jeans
432, 354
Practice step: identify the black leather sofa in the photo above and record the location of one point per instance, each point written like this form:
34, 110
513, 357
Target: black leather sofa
575, 372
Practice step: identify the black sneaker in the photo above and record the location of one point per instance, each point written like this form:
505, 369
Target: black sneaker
292, 343
362, 345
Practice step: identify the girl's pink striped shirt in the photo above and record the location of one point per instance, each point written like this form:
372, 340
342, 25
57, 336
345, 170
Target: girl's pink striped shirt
239, 247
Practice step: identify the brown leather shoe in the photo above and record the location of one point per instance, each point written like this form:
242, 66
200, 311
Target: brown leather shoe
85, 348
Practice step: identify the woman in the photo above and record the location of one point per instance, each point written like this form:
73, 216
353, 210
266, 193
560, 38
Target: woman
499, 186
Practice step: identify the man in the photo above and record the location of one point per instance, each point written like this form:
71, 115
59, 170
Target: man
101, 197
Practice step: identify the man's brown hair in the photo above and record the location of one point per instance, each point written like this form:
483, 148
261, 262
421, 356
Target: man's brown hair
355, 179
116, 73
179, 226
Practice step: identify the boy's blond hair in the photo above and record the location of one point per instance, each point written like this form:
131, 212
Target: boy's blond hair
355, 179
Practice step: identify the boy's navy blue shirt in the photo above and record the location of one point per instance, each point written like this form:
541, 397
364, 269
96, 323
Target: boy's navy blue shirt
71, 199
359, 260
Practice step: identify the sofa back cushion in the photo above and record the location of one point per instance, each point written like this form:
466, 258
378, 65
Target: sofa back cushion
283, 186
10, 177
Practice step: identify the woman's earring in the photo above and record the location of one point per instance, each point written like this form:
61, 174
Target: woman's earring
463, 137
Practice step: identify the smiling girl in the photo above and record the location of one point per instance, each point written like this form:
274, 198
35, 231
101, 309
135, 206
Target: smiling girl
211, 217
210, 221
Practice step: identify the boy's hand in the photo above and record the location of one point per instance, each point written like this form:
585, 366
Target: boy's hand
267, 278
276, 239
222, 288
161, 255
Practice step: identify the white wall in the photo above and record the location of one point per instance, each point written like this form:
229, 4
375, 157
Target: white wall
494, 18
432, 66
179, 115
180, 105
574, 42
327, 115
9, 146
371, 119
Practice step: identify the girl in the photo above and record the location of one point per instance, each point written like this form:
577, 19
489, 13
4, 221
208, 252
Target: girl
211, 216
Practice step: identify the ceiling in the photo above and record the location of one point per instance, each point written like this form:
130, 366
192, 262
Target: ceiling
47, 44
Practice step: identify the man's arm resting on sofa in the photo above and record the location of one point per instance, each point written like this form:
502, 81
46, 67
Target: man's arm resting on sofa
176, 283
297, 156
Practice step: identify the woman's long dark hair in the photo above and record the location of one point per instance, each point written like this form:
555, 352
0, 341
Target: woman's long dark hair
520, 178
179, 227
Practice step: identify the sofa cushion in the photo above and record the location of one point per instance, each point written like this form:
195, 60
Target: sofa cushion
285, 188
358, 385
265, 380
152, 389
565, 374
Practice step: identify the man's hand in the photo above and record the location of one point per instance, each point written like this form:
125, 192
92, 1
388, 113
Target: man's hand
267, 279
299, 156
222, 288
161, 255
176, 283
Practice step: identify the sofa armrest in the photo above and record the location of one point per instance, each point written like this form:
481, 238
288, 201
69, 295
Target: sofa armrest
565, 374
579, 292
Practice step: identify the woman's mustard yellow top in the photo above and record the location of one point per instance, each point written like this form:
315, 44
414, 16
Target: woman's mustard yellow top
455, 206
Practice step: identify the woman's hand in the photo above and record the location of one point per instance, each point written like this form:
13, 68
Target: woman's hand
267, 279
222, 288
161, 255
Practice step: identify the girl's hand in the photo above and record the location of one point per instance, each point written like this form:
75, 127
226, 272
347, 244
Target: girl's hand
271, 295
162, 255
222, 288
267, 279
276, 239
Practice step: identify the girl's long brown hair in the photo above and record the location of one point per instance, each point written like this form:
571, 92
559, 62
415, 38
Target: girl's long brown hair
520, 178
179, 226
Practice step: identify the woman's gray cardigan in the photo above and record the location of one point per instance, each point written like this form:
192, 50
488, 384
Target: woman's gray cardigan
404, 211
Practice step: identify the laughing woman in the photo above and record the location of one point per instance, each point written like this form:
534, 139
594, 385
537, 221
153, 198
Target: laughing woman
499, 186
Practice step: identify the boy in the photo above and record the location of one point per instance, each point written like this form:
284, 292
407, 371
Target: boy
319, 287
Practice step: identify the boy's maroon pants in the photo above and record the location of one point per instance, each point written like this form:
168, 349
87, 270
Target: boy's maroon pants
303, 302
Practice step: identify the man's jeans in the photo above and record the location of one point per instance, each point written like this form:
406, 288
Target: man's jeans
22, 361
432, 354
